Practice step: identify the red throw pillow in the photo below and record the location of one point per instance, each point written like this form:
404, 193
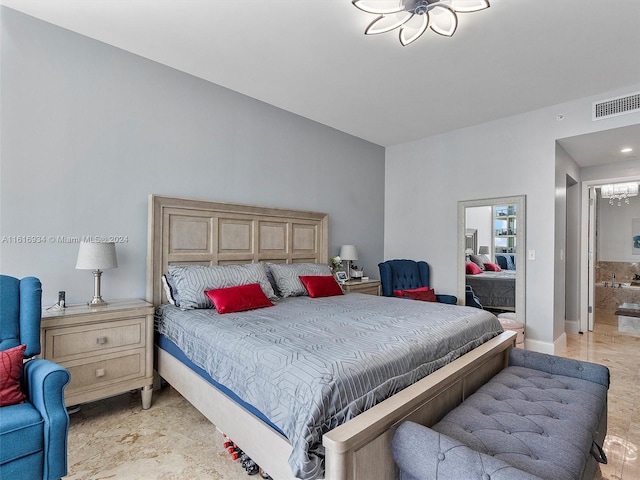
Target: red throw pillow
321, 285
472, 269
492, 267
428, 296
401, 293
10, 370
238, 299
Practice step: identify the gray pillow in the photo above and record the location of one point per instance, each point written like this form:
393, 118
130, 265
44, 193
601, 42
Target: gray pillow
272, 280
192, 280
477, 259
169, 285
287, 276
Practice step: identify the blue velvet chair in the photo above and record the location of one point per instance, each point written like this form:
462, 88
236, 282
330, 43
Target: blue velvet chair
407, 274
33, 434
470, 299
506, 261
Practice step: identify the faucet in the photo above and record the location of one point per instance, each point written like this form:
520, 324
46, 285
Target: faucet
613, 280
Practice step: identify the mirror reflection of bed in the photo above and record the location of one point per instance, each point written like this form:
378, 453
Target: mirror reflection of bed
491, 249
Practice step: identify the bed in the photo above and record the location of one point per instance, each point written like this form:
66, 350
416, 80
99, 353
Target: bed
191, 232
495, 290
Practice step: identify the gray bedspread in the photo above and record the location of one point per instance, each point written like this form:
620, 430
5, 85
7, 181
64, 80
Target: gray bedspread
312, 364
494, 289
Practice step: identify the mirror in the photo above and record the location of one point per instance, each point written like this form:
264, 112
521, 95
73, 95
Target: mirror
493, 229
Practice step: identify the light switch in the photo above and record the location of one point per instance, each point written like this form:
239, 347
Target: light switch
532, 254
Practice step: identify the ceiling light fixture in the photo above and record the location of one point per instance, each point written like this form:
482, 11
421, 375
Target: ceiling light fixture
619, 191
414, 17
626, 150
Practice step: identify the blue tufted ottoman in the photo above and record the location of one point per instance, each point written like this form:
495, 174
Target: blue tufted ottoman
542, 417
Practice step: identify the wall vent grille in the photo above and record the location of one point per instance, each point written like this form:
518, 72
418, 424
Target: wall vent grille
616, 106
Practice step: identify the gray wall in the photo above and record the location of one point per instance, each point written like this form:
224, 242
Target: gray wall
88, 131
614, 231
567, 245
572, 260
481, 219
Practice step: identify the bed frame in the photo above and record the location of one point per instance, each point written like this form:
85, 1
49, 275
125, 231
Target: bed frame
183, 231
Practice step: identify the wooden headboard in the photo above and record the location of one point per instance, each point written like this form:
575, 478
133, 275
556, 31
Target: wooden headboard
195, 232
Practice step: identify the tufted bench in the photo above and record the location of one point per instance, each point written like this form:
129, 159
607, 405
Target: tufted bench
542, 417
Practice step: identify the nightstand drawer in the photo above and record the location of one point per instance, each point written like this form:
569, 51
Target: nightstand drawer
105, 369
368, 287
77, 342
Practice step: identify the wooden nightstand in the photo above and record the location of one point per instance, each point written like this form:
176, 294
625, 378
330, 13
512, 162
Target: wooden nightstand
370, 287
108, 350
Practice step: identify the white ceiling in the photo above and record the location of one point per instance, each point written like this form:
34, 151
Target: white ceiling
310, 57
604, 147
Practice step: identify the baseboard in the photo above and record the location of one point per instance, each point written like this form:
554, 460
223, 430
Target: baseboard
560, 344
572, 326
538, 346
555, 348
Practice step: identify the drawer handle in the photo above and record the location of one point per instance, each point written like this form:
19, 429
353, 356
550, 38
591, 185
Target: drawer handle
101, 340
100, 372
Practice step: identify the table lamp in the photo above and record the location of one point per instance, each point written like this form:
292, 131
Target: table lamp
349, 253
97, 257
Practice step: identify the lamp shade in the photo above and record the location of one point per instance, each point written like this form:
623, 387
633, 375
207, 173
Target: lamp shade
483, 250
96, 256
349, 252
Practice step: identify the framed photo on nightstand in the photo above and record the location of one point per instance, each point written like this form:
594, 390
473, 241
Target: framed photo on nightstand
342, 277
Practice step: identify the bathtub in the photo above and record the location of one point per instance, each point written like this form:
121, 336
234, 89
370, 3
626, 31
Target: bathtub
629, 306
623, 301
625, 285
628, 317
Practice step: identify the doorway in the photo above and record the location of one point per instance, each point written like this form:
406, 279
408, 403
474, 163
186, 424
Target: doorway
592, 159
614, 267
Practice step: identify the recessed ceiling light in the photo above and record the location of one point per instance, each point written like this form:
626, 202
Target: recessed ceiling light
626, 150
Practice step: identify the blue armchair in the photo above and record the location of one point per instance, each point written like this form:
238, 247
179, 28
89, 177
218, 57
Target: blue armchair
406, 274
470, 298
33, 434
506, 261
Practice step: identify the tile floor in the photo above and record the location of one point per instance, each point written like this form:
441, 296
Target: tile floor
115, 439
621, 353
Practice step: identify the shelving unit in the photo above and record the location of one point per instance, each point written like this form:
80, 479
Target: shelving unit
504, 229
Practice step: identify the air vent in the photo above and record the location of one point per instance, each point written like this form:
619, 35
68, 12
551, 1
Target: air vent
616, 106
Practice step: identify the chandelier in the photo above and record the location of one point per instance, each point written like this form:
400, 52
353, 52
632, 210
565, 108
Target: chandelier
619, 191
414, 17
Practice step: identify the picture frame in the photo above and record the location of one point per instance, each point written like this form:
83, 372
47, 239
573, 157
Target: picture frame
342, 277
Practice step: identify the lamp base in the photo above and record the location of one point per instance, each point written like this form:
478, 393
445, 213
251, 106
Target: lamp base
97, 298
97, 302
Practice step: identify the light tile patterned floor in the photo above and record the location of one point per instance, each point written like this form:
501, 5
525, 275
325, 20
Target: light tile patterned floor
114, 438
621, 353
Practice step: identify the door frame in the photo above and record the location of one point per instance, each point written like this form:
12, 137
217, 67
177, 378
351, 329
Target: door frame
588, 248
